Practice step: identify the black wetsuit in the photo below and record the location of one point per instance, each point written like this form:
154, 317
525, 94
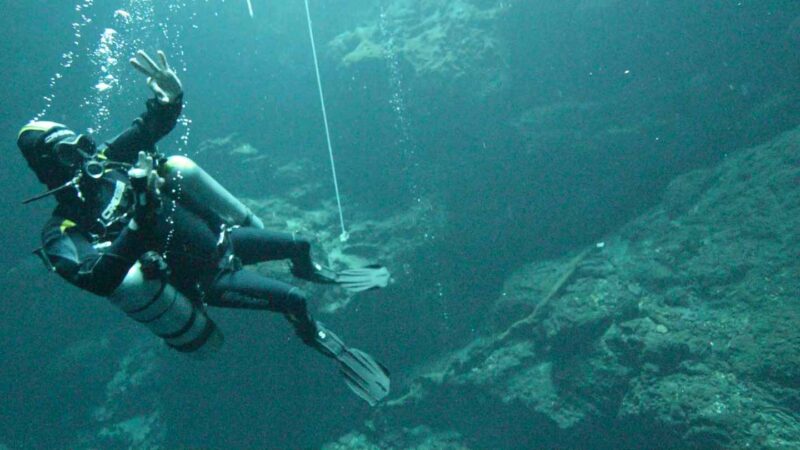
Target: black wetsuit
87, 240
98, 211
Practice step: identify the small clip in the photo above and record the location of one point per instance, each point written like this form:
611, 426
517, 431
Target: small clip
77, 185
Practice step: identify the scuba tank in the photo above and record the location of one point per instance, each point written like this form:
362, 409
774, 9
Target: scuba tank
202, 194
145, 296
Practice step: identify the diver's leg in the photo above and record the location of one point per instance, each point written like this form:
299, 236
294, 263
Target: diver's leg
242, 289
253, 245
250, 290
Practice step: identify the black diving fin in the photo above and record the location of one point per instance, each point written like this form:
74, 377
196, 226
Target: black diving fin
365, 376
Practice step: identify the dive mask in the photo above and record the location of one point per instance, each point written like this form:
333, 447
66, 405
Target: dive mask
75, 151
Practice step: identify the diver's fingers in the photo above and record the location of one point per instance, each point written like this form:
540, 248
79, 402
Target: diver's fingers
154, 86
142, 160
148, 62
138, 66
153, 183
163, 58
145, 161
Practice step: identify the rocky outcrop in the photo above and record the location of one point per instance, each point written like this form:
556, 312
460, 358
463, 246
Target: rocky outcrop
679, 331
130, 415
450, 39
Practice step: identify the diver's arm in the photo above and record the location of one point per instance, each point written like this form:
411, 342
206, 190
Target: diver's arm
97, 270
146, 130
162, 111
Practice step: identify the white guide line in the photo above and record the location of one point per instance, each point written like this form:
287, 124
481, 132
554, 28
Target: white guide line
345, 235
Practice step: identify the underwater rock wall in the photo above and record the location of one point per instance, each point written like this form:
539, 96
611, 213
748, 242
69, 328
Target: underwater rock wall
451, 40
130, 416
678, 331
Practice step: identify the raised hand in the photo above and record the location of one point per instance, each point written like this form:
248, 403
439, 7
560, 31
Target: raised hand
161, 79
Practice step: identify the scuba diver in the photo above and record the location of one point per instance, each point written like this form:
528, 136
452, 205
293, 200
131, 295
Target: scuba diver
161, 239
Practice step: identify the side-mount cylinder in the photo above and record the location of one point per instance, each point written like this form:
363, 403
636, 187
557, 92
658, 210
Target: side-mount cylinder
145, 296
201, 193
